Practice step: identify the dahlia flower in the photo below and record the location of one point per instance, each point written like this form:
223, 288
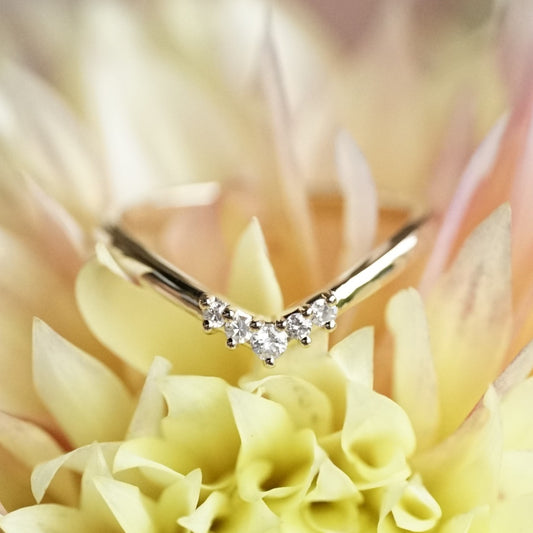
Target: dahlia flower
118, 413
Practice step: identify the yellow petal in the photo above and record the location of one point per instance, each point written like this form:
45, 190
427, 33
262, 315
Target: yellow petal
514, 515
91, 500
151, 406
155, 458
46, 518
516, 477
415, 380
313, 364
137, 324
252, 282
355, 356
230, 516
338, 516
24, 445
78, 390
516, 371
200, 414
275, 460
201, 519
130, 508
408, 506
75, 460
516, 411
377, 437
463, 471
332, 484
178, 500
306, 405
469, 313
475, 521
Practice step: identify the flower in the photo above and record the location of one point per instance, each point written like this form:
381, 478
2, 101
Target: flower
128, 418
311, 447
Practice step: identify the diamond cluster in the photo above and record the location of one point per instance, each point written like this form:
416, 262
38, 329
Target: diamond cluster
267, 339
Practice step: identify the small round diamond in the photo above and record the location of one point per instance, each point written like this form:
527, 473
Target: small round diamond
322, 312
213, 313
298, 326
269, 342
238, 329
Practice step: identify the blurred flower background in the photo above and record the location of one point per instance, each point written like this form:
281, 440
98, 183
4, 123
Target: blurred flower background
324, 122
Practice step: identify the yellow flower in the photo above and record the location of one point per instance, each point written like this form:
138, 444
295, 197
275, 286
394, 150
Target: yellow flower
153, 426
311, 447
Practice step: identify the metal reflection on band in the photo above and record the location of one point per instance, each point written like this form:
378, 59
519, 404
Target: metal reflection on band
268, 337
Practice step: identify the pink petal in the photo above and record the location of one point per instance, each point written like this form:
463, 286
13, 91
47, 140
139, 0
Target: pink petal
469, 315
477, 170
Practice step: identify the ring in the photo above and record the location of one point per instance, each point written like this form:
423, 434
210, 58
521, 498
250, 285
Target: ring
268, 337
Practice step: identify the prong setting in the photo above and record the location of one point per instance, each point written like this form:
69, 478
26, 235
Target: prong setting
228, 314
306, 311
231, 343
330, 325
281, 324
306, 341
256, 325
268, 339
330, 298
204, 301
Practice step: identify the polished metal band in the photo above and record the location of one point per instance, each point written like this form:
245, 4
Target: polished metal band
267, 336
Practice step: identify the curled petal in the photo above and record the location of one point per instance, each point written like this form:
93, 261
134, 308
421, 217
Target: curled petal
306, 405
75, 460
276, 460
202, 518
332, 484
336, 516
376, 440
178, 500
199, 415
78, 390
154, 458
131, 509
97, 465
231, 516
313, 365
410, 507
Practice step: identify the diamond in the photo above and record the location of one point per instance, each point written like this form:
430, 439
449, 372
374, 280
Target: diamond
269, 342
323, 313
213, 313
238, 328
298, 326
